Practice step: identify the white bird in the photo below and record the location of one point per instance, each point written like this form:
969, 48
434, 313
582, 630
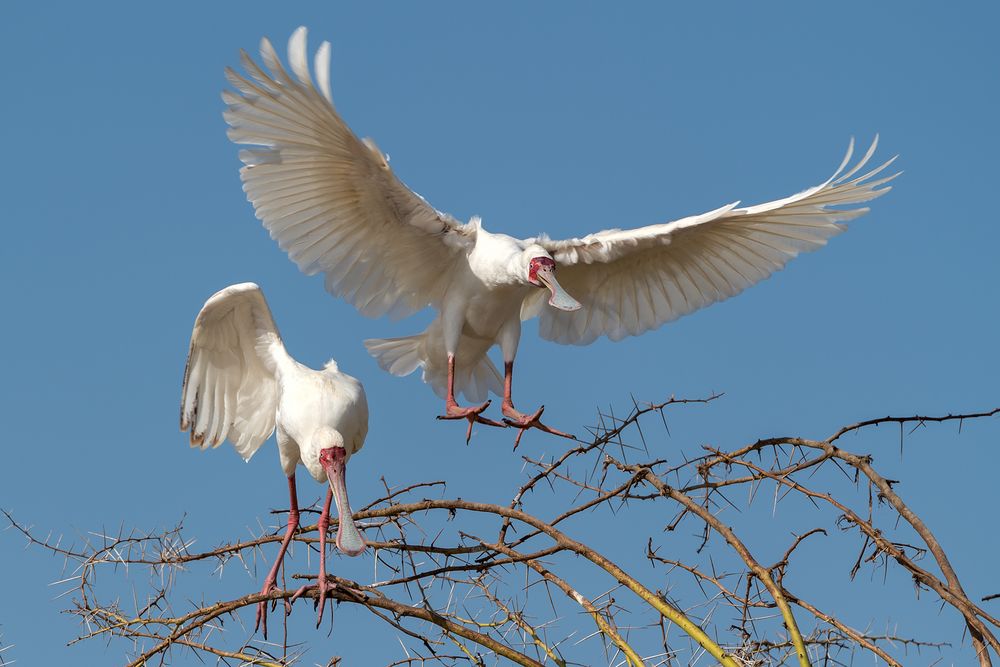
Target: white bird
334, 205
240, 384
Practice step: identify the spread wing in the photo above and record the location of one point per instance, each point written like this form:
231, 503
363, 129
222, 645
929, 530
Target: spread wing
631, 281
329, 199
229, 388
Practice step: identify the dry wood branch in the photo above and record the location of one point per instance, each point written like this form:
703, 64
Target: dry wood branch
957, 599
604, 624
450, 598
760, 572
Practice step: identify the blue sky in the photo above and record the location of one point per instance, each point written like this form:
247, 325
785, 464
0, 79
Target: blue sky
124, 212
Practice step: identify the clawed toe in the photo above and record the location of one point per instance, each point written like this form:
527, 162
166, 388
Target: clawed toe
323, 589
523, 422
472, 414
512, 417
455, 411
261, 620
261, 617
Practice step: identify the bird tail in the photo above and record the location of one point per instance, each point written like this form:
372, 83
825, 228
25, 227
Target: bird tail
475, 374
399, 356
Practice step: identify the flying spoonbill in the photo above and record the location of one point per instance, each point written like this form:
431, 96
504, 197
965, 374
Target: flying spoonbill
333, 204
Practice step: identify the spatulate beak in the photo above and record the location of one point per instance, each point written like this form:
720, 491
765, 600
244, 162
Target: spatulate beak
559, 299
349, 538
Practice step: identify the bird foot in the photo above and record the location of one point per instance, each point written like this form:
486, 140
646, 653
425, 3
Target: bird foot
270, 585
472, 414
523, 422
323, 589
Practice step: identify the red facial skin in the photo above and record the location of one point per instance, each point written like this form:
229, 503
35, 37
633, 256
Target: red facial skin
328, 456
534, 265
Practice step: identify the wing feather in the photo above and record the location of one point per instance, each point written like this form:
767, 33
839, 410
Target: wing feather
229, 389
329, 199
631, 281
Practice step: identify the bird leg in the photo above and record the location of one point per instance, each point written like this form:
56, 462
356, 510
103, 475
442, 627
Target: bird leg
517, 419
322, 586
349, 540
454, 411
271, 582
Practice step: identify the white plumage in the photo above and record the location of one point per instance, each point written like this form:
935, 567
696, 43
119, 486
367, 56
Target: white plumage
334, 205
631, 281
229, 389
240, 384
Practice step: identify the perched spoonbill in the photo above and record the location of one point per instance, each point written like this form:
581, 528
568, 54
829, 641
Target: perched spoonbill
241, 384
334, 205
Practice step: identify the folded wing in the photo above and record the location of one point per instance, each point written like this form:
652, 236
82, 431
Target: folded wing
229, 388
329, 199
631, 281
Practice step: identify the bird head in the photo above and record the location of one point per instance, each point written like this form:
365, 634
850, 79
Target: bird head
542, 273
333, 458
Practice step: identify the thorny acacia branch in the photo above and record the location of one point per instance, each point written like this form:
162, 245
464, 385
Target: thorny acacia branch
714, 600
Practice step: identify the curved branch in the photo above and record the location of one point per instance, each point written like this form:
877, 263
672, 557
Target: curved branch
759, 571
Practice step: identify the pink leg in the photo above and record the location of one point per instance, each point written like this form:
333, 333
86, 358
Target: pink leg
454, 411
349, 540
517, 419
321, 584
272, 577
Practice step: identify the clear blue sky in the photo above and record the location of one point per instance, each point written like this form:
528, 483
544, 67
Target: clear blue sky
123, 211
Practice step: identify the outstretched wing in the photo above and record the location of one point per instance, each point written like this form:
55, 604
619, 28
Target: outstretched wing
631, 281
229, 388
330, 200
